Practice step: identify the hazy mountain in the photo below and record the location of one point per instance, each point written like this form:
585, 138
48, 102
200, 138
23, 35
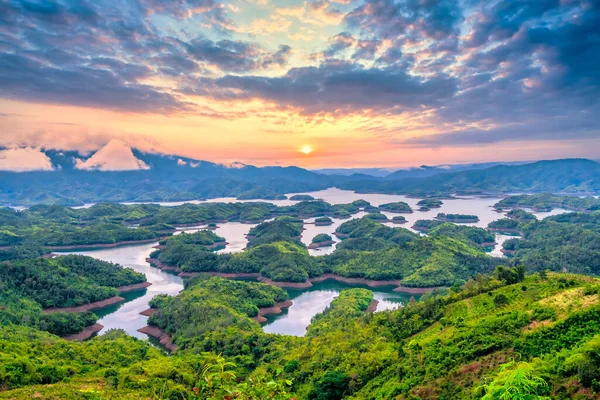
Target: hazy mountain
567, 175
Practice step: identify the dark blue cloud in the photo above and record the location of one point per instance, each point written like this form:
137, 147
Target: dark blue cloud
95, 53
341, 87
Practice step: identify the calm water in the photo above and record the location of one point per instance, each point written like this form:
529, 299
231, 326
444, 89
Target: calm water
307, 302
126, 315
311, 301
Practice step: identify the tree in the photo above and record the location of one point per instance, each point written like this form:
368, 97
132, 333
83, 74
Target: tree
516, 382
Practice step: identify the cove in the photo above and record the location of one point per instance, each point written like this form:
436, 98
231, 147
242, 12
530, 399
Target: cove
311, 301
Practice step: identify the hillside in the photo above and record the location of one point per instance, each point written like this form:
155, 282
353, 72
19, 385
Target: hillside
536, 337
568, 175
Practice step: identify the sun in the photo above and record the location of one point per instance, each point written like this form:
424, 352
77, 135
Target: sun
306, 149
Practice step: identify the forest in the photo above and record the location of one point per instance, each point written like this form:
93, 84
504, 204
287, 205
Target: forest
527, 324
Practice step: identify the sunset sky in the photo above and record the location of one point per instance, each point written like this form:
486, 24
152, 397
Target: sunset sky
346, 83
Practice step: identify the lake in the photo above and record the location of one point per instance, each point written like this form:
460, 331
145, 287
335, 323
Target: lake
307, 302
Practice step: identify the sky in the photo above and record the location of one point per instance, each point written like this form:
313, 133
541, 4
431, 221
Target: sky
317, 83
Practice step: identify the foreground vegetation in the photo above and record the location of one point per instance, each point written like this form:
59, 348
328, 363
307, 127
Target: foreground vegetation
532, 336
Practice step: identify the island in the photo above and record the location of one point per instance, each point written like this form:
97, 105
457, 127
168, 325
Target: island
504, 225
457, 218
399, 219
426, 225
321, 240
397, 207
302, 197
430, 203
323, 221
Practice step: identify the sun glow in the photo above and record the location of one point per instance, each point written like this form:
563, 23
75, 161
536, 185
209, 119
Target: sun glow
306, 149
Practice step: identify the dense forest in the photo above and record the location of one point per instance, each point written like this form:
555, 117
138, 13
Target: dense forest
530, 336
524, 326
29, 285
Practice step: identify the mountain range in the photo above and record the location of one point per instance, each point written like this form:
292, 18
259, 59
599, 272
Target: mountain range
133, 175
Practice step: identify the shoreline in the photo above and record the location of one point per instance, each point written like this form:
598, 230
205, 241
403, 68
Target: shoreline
86, 307
508, 231
326, 243
162, 336
85, 334
273, 310
301, 285
458, 221
133, 287
103, 245
372, 306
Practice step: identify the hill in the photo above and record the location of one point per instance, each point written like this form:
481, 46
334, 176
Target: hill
567, 175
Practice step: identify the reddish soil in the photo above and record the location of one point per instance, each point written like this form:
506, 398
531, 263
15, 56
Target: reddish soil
149, 312
85, 334
131, 288
161, 335
276, 309
372, 306
87, 307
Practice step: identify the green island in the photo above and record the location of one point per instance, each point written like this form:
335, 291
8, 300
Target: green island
302, 197
426, 225
547, 201
520, 215
377, 216
321, 240
323, 221
397, 207
505, 225
457, 218
399, 219
430, 203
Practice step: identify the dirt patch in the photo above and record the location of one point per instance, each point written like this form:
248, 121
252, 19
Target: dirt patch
149, 312
274, 310
85, 334
372, 306
161, 335
131, 288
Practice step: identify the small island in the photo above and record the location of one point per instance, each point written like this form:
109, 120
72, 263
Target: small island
302, 197
426, 225
261, 193
377, 216
429, 203
321, 240
397, 207
323, 221
521, 215
457, 218
399, 219
504, 225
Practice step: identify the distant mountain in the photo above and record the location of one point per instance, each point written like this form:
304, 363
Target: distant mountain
377, 172
567, 175
413, 172
76, 180
118, 173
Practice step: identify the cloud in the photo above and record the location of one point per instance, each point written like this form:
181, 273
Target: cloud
333, 88
23, 159
181, 162
115, 156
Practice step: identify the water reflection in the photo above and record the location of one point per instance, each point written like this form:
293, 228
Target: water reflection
126, 315
306, 302
311, 301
